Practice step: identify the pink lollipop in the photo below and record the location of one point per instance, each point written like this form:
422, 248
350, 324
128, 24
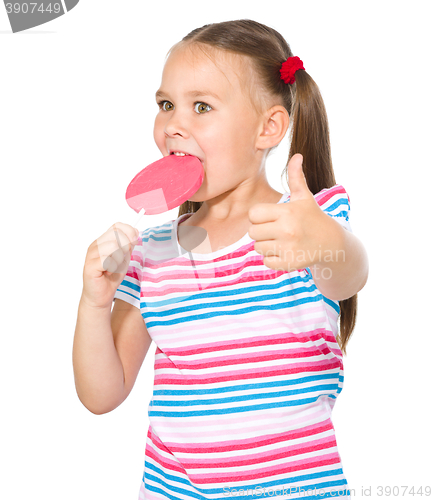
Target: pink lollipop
161, 186
165, 184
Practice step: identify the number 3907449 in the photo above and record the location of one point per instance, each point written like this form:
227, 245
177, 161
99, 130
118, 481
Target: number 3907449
32, 7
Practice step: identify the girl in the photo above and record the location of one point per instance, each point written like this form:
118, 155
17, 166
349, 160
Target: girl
248, 359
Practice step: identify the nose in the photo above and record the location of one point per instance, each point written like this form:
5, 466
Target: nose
175, 126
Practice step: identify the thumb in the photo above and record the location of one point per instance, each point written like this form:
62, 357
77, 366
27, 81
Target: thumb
296, 179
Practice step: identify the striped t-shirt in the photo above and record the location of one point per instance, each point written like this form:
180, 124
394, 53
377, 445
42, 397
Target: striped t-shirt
247, 370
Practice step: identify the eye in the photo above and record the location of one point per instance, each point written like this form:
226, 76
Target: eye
202, 107
162, 105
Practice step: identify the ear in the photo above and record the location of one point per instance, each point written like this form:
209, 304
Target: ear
273, 128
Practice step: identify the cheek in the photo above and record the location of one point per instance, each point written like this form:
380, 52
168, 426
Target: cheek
219, 138
158, 132
238, 131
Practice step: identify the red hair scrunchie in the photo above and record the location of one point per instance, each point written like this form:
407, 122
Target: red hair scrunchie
289, 68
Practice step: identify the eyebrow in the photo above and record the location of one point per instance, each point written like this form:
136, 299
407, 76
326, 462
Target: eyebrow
192, 93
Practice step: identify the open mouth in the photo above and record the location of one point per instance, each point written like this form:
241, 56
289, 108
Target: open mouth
181, 153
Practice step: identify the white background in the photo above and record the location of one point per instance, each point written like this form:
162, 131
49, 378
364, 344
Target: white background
76, 119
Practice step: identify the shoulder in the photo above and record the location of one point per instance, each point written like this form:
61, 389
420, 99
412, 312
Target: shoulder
335, 202
159, 243
329, 199
334, 194
155, 233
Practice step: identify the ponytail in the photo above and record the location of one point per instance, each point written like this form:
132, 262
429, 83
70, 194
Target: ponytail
310, 137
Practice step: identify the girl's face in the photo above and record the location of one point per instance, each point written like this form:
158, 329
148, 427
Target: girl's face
204, 112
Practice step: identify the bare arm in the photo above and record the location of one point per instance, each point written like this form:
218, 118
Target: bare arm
108, 351
346, 273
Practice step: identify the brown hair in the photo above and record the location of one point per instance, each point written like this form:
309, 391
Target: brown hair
266, 50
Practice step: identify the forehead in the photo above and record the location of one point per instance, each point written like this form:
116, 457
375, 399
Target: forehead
193, 67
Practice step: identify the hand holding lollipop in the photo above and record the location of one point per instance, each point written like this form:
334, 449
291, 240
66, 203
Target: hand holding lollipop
159, 187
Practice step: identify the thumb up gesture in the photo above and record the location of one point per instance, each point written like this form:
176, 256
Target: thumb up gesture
291, 235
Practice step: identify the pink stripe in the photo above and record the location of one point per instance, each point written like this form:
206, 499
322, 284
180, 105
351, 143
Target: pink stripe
224, 324
267, 472
256, 458
246, 374
162, 461
173, 278
232, 419
225, 434
244, 444
282, 338
322, 198
309, 463
180, 261
237, 359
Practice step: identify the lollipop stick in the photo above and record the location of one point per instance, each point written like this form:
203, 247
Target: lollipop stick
140, 215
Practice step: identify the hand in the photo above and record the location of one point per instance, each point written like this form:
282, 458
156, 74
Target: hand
106, 264
296, 234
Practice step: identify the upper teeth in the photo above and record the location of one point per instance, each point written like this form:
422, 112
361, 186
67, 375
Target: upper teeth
179, 154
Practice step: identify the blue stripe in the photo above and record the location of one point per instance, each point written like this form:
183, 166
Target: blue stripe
344, 206
151, 487
245, 387
130, 294
237, 312
333, 303
164, 234
130, 284
239, 291
225, 411
231, 302
244, 397
223, 491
